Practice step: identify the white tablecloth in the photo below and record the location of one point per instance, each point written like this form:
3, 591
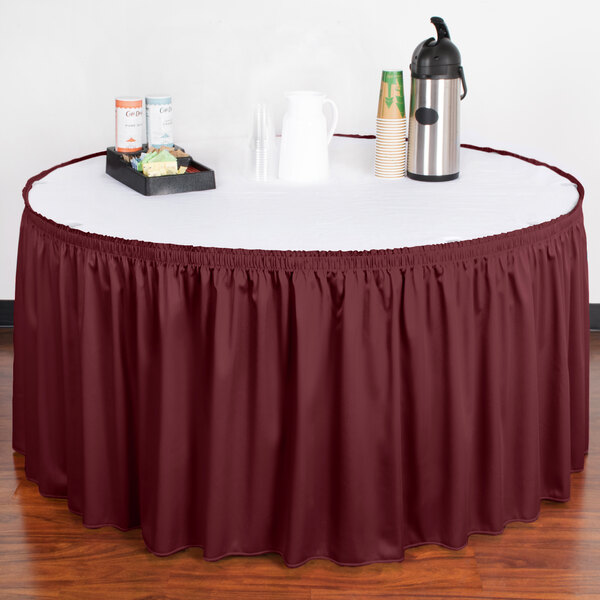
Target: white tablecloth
352, 211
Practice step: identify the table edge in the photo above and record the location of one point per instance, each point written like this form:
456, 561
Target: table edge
309, 259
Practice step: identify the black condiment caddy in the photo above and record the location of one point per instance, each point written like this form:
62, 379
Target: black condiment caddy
201, 178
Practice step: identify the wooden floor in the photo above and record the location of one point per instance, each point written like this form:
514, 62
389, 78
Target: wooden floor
45, 552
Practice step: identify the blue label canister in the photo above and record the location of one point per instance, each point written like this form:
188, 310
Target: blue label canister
159, 121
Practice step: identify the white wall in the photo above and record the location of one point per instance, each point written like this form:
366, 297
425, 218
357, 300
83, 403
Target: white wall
532, 69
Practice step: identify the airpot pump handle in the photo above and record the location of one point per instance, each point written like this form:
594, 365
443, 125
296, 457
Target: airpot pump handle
464, 83
441, 28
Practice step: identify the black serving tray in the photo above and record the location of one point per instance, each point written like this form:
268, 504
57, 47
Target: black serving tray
116, 167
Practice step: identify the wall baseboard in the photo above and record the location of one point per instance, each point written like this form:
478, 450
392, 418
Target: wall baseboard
595, 317
7, 310
6, 313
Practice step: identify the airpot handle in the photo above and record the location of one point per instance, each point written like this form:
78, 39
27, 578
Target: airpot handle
464, 83
441, 28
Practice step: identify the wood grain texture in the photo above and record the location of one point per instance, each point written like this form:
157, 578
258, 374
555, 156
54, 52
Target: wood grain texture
45, 552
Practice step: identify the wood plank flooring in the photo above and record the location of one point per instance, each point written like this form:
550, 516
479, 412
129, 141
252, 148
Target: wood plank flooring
45, 552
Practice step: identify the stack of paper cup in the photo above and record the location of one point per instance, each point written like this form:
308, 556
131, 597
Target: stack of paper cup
390, 147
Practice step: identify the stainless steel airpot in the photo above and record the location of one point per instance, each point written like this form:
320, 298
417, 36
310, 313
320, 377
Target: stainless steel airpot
434, 120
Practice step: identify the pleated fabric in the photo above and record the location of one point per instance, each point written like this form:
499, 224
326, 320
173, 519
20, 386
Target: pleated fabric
345, 405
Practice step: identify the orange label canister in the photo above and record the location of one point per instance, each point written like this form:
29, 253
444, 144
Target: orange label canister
129, 124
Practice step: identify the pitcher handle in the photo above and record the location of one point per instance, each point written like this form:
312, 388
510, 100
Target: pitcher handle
334, 117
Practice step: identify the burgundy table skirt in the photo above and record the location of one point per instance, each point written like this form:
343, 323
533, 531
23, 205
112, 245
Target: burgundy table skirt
345, 405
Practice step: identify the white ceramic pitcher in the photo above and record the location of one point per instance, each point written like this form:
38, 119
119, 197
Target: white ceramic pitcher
305, 139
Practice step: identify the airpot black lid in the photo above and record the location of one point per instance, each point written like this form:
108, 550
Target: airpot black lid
436, 59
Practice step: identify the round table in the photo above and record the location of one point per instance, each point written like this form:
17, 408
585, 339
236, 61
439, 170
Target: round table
342, 370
